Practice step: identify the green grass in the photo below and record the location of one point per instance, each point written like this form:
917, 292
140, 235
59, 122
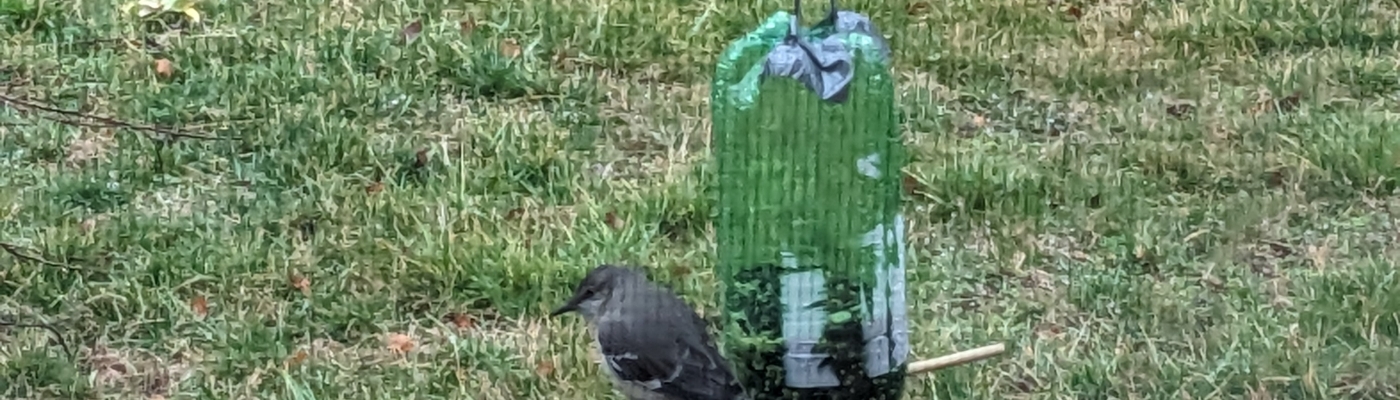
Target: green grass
1128, 193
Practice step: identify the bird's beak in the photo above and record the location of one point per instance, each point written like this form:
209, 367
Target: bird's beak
563, 309
571, 305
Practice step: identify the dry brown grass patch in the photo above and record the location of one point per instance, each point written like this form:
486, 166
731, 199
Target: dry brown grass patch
135, 373
654, 133
91, 145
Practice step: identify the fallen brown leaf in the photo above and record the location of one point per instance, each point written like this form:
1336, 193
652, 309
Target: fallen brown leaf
515, 213
412, 31
420, 158
301, 283
912, 186
1291, 102
164, 68
200, 306
917, 8
295, 359
1277, 177
399, 343
510, 48
467, 26
544, 368
374, 187
613, 221
462, 321
1074, 12
979, 121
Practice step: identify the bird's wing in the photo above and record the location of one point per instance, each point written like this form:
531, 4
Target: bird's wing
671, 355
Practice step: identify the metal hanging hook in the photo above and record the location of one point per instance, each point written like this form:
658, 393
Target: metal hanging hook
795, 26
795, 22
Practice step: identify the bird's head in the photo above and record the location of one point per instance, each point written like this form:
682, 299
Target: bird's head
595, 288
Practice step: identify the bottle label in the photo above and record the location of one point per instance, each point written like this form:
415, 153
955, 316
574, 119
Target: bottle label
802, 328
887, 330
885, 326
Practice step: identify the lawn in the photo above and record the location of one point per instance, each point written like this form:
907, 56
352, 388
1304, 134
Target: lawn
1143, 199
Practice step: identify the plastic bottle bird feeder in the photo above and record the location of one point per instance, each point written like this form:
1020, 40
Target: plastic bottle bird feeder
809, 235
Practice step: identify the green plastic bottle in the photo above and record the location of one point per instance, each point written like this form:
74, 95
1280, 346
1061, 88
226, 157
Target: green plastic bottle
810, 241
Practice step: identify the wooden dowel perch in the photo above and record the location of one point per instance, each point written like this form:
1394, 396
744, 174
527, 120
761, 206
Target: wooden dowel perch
955, 359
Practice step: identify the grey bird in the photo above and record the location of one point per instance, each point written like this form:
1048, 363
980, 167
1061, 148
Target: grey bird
654, 345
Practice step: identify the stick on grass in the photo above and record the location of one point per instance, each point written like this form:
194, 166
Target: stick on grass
955, 359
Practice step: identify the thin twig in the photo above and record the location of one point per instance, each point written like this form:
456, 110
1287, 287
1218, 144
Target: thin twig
9, 320
23, 254
19, 253
105, 122
955, 359
90, 42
